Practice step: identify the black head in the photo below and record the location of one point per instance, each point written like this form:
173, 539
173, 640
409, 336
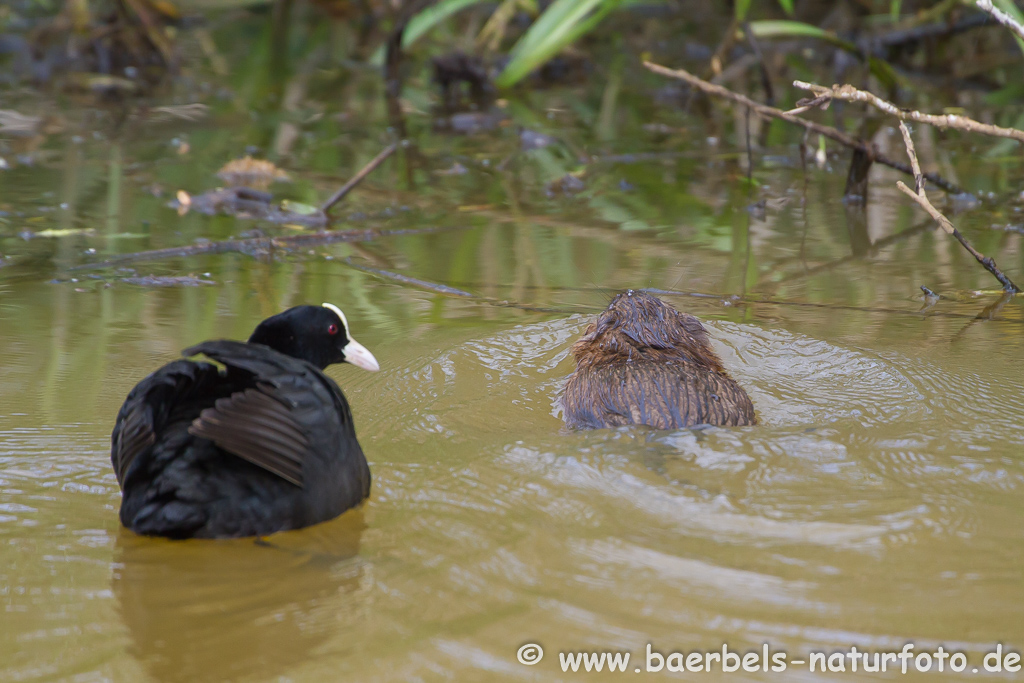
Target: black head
316, 334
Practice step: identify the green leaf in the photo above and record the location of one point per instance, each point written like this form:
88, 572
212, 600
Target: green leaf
298, 208
1006, 96
742, 7
797, 29
787, 6
562, 23
883, 71
425, 21
432, 16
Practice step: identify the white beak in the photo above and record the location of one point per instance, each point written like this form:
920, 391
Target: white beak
360, 356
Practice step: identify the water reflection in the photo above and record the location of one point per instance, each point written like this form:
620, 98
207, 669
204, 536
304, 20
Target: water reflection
224, 610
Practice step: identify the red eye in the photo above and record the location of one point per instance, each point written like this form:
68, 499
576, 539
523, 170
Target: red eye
332, 329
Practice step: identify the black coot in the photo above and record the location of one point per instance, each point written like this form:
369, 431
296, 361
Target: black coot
264, 444
644, 362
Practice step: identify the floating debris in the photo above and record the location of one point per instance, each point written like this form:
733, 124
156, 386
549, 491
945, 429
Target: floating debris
182, 112
298, 208
167, 281
250, 203
456, 169
184, 202
758, 210
16, 124
962, 202
531, 139
471, 122
457, 69
54, 233
249, 172
659, 128
568, 184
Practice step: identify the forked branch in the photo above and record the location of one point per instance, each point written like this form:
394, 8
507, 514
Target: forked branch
919, 196
764, 111
849, 93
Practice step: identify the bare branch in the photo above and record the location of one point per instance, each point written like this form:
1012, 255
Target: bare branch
803, 105
764, 111
914, 164
358, 177
852, 94
922, 200
1002, 17
925, 204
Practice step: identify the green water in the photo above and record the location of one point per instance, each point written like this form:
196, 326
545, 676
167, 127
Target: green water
877, 502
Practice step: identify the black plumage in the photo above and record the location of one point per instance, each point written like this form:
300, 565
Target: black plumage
644, 362
263, 444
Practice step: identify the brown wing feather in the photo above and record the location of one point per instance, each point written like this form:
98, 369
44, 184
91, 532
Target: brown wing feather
135, 435
258, 427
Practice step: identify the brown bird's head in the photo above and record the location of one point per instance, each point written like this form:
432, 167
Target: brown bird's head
639, 325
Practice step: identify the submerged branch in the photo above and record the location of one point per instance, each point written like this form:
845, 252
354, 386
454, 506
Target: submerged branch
765, 111
753, 301
919, 196
849, 93
255, 245
725, 300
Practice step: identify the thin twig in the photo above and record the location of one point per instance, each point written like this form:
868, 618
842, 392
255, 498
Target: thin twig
358, 177
921, 198
762, 63
803, 105
852, 94
1002, 17
765, 111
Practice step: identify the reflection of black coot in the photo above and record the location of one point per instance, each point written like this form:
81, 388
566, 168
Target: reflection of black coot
644, 362
200, 611
263, 445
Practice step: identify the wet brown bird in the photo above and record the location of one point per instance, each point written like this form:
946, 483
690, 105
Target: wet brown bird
644, 362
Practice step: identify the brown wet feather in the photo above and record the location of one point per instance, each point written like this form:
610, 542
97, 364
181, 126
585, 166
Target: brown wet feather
644, 362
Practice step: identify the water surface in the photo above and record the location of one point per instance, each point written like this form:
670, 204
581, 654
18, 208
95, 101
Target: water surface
878, 500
